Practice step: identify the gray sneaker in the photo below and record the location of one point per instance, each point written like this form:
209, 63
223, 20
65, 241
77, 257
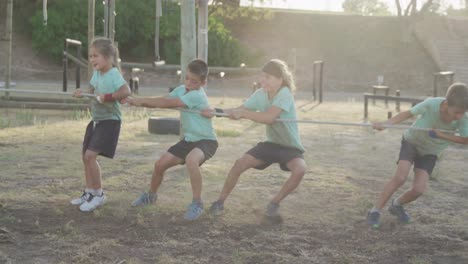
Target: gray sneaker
399, 211
272, 210
145, 198
217, 208
373, 219
194, 210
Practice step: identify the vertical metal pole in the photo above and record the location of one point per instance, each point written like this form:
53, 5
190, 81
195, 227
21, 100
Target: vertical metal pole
91, 17
65, 66
203, 30
321, 83
9, 36
78, 70
188, 36
434, 93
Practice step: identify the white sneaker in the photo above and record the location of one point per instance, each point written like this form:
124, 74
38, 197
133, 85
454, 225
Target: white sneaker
93, 203
83, 198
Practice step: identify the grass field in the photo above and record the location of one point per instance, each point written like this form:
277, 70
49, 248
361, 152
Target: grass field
323, 220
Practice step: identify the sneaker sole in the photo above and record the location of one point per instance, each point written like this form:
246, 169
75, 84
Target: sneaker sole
103, 202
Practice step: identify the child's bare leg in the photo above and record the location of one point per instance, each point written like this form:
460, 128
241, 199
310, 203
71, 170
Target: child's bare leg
396, 182
421, 178
193, 160
92, 170
160, 166
298, 168
246, 162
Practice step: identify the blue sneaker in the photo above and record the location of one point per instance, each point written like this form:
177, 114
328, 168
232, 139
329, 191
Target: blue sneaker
373, 219
145, 198
399, 211
217, 208
194, 210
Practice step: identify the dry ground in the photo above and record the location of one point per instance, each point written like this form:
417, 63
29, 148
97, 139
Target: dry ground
324, 219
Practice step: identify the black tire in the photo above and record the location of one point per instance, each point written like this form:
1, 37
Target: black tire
164, 125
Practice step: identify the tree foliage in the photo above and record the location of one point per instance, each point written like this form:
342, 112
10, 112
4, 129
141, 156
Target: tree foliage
366, 7
135, 26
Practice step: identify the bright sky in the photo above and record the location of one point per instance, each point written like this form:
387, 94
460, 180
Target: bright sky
335, 5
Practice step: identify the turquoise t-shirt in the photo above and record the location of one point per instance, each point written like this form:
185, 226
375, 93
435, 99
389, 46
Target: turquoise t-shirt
282, 133
109, 82
429, 117
194, 126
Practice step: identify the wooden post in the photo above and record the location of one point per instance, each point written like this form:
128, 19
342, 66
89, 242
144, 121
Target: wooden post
321, 83
91, 17
112, 15
158, 13
9, 37
106, 17
203, 30
397, 103
187, 35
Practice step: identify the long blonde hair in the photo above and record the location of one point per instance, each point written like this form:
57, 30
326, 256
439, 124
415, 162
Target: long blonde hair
280, 69
106, 48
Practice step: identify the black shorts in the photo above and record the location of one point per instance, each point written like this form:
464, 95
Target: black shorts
183, 148
410, 153
102, 137
270, 153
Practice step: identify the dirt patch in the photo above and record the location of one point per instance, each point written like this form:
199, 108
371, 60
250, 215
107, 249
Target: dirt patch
323, 221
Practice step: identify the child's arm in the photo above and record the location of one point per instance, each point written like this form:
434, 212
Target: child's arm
157, 102
452, 138
78, 92
393, 121
122, 93
268, 117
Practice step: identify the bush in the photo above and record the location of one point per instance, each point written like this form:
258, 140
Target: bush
134, 32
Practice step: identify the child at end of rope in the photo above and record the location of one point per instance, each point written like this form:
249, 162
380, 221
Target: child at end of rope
102, 133
422, 148
283, 145
199, 141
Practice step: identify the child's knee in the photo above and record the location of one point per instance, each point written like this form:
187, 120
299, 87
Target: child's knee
89, 157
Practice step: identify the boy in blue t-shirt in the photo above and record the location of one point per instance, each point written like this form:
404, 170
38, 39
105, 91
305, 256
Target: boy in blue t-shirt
421, 148
199, 143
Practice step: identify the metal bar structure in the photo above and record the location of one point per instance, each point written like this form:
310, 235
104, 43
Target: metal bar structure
79, 61
397, 99
173, 67
45, 92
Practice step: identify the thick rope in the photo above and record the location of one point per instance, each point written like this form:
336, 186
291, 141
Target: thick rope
332, 122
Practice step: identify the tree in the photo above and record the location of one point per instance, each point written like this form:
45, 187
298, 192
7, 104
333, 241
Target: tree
412, 8
366, 7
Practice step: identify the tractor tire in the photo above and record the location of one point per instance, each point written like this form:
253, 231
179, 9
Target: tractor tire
164, 125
